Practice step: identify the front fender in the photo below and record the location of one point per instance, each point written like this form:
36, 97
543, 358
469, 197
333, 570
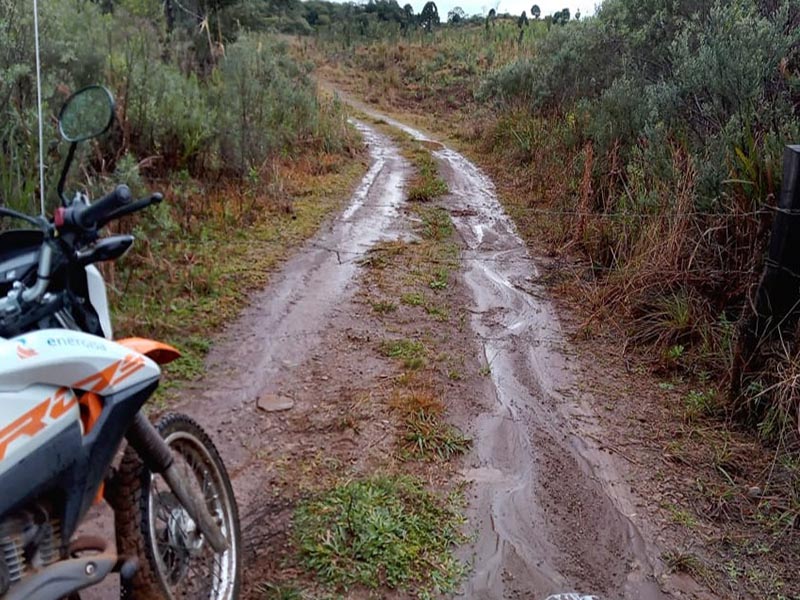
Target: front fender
157, 351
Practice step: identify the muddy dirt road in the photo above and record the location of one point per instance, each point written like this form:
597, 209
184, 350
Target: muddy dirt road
550, 510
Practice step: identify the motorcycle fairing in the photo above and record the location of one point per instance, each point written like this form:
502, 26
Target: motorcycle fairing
72, 465
44, 449
96, 289
72, 359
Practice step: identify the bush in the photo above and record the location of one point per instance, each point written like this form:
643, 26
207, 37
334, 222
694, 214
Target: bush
676, 113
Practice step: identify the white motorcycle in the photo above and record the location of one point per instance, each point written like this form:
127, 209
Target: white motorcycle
69, 396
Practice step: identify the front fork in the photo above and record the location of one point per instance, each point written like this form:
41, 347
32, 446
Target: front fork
157, 457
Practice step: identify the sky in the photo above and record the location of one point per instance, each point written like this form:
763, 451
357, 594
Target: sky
514, 7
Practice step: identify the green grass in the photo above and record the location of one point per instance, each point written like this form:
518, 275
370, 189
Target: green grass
411, 352
436, 223
426, 185
381, 531
413, 299
383, 307
428, 437
269, 591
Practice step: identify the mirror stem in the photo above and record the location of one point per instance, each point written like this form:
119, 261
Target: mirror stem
39, 100
64, 170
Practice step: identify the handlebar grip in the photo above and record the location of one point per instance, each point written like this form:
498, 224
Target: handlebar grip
88, 217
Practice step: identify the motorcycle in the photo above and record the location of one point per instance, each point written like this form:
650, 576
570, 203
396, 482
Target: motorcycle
70, 395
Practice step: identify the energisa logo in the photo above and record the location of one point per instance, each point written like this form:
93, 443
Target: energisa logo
74, 342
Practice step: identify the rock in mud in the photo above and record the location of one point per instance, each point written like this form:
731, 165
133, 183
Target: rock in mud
274, 403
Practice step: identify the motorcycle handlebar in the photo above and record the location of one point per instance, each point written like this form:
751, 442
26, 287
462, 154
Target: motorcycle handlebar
88, 217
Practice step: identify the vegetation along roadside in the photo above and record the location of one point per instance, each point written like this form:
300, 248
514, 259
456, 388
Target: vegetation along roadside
231, 129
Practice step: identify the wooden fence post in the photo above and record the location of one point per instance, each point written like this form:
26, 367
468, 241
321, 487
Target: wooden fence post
777, 300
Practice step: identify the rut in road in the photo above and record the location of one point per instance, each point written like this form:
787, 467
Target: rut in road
548, 507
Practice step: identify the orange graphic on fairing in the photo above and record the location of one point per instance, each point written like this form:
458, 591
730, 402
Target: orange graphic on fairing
113, 374
32, 422
23, 352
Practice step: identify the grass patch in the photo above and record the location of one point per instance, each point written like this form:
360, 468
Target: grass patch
270, 591
428, 437
411, 352
381, 531
426, 185
436, 223
413, 299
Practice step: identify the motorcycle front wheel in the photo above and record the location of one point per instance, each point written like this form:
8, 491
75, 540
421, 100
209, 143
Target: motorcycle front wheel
175, 560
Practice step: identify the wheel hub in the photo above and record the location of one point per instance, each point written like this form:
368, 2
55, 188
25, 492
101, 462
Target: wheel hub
184, 533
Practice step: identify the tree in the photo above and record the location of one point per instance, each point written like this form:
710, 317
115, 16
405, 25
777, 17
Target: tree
429, 16
456, 15
536, 12
561, 17
522, 22
578, 15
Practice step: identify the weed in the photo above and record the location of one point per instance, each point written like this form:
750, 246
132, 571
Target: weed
383, 307
426, 185
439, 313
419, 397
413, 299
411, 352
436, 223
485, 370
700, 403
271, 591
441, 277
381, 531
680, 516
674, 353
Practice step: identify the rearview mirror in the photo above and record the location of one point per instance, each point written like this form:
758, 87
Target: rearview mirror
86, 114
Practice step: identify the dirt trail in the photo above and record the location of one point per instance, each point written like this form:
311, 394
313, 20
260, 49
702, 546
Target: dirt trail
550, 508
285, 322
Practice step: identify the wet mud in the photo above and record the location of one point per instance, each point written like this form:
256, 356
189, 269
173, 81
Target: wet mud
285, 323
549, 509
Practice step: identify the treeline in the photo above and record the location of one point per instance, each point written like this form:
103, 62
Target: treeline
374, 19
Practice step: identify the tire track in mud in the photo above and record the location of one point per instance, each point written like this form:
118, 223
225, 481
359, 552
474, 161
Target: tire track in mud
550, 510
285, 322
